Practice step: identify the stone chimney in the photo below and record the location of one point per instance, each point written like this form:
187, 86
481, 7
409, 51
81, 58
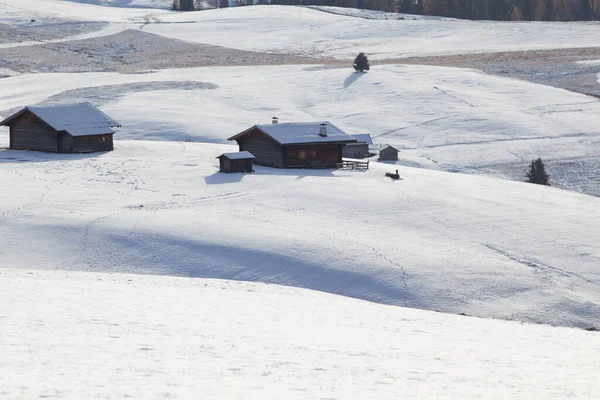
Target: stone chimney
275, 120
323, 130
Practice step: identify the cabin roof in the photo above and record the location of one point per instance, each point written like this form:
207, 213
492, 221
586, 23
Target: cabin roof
363, 138
80, 119
289, 133
240, 155
387, 146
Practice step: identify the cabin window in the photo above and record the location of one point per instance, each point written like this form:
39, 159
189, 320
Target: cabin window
301, 154
313, 153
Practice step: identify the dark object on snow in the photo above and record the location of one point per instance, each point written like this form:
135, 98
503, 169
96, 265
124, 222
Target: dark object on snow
395, 176
294, 145
388, 153
73, 128
537, 173
236, 162
361, 63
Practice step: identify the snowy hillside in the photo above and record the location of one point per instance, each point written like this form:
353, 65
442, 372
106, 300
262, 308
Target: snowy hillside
443, 118
79, 336
433, 240
310, 32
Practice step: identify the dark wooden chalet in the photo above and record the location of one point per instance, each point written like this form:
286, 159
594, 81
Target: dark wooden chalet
360, 149
388, 153
73, 128
236, 162
295, 145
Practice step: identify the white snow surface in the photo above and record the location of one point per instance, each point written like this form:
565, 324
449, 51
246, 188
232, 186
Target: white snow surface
442, 118
432, 240
311, 32
73, 335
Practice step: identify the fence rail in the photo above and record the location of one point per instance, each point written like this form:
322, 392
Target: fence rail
353, 164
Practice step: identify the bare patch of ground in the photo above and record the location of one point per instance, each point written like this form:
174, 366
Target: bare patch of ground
556, 68
47, 31
133, 50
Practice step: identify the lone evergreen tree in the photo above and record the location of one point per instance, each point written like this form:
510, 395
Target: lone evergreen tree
361, 63
537, 173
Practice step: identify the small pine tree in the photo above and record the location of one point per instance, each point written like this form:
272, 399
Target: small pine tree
537, 173
361, 63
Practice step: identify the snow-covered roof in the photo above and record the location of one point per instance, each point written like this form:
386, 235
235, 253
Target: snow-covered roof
80, 119
240, 155
387, 146
301, 133
363, 138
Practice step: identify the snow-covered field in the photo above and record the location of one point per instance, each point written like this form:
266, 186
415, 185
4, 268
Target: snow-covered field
433, 240
443, 118
73, 326
80, 336
311, 32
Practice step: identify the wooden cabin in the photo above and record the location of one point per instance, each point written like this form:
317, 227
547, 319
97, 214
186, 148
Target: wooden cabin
73, 128
388, 153
295, 145
360, 149
236, 162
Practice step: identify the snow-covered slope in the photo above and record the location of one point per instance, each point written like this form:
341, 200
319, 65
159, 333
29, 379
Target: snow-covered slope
81, 336
433, 240
311, 32
442, 118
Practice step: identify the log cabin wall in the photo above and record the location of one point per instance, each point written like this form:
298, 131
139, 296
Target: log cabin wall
319, 156
266, 151
93, 143
356, 150
28, 132
388, 154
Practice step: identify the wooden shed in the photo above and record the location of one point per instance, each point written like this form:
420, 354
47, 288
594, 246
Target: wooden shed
360, 149
73, 128
295, 145
388, 153
236, 162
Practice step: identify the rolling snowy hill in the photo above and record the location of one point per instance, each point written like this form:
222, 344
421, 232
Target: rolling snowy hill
77, 335
442, 118
433, 240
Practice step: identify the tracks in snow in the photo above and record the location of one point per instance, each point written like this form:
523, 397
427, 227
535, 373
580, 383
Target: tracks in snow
539, 266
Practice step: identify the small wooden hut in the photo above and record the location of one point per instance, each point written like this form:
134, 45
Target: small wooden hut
295, 145
388, 153
236, 162
73, 128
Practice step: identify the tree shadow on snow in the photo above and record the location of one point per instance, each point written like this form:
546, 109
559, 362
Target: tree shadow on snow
352, 78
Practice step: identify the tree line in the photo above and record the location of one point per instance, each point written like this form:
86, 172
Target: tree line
499, 10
